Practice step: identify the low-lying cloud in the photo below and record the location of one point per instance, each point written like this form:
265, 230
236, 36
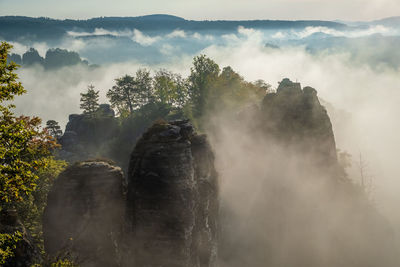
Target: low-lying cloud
368, 98
353, 33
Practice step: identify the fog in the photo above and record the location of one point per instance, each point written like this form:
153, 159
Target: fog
362, 101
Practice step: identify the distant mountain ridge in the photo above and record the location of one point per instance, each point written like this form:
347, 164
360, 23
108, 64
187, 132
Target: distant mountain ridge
15, 27
391, 21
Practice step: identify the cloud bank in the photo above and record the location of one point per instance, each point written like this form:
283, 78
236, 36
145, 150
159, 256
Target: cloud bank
368, 98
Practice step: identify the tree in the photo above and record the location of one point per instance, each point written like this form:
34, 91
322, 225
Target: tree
23, 145
90, 101
123, 95
53, 129
144, 85
170, 88
231, 92
263, 85
203, 73
27, 168
132, 92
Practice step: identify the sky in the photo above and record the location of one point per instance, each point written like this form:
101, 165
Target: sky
350, 10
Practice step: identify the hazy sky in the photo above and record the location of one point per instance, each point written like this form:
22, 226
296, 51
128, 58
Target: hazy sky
207, 9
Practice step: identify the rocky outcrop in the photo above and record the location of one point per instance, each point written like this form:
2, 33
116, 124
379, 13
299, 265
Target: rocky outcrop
172, 202
84, 214
295, 117
87, 135
288, 201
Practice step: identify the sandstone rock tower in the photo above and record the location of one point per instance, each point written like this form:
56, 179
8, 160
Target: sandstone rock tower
172, 202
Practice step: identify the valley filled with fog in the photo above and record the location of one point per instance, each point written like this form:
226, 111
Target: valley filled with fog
353, 66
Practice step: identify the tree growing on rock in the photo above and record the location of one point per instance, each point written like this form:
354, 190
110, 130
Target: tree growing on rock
53, 129
202, 75
170, 88
123, 95
90, 101
144, 84
131, 92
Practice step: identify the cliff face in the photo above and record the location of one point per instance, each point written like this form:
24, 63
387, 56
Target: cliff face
84, 214
286, 200
172, 203
86, 136
295, 117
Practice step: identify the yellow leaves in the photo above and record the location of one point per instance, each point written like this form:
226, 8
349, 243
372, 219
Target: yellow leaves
8, 243
23, 145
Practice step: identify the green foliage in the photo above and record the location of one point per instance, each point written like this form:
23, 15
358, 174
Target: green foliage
23, 145
90, 101
170, 88
53, 129
131, 92
143, 82
124, 95
9, 86
230, 92
8, 243
64, 263
143, 98
30, 211
202, 75
57, 263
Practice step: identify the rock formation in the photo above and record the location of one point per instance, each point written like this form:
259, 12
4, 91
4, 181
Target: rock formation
295, 116
84, 214
301, 209
85, 136
172, 202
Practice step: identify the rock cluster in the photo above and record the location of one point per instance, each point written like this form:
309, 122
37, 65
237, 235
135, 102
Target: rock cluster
170, 215
85, 213
172, 201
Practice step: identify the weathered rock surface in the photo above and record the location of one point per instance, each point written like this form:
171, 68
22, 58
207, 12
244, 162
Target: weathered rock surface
172, 203
295, 116
86, 135
84, 214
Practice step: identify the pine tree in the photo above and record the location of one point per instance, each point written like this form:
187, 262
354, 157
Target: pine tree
53, 129
90, 101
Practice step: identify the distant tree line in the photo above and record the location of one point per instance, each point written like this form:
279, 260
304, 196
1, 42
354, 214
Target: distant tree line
54, 58
13, 27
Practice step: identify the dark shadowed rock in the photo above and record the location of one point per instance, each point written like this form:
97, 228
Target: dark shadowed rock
84, 214
105, 110
87, 136
172, 203
295, 117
